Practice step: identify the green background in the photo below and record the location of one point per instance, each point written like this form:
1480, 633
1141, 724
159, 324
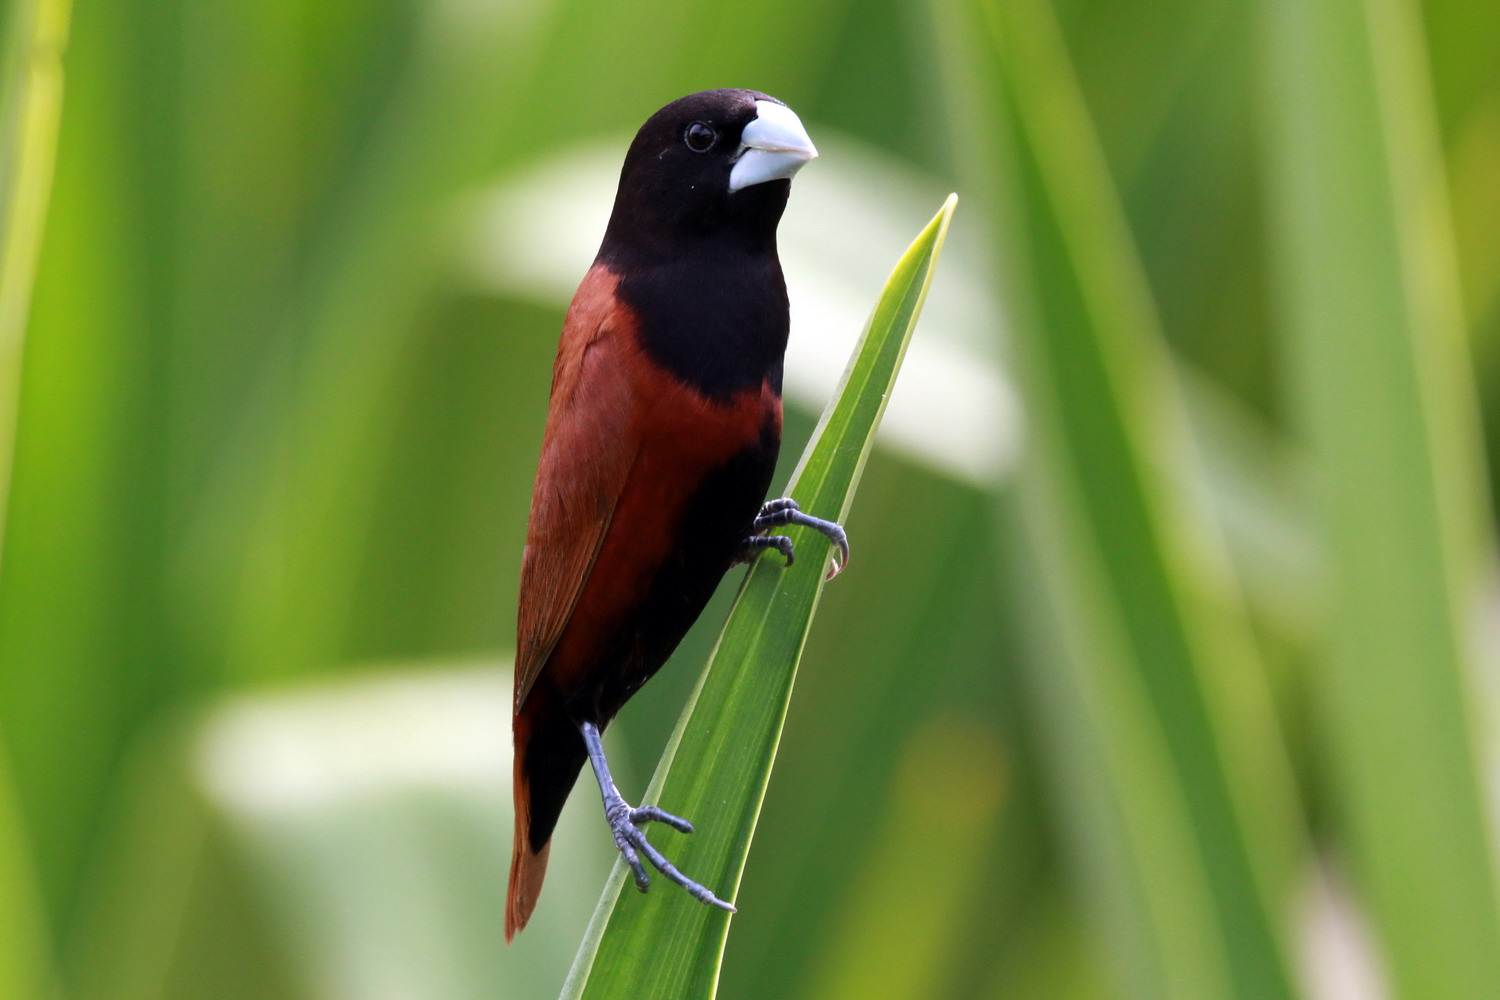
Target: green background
1165, 663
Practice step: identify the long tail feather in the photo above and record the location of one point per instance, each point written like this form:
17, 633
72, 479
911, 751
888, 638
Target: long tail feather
527, 869
548, 756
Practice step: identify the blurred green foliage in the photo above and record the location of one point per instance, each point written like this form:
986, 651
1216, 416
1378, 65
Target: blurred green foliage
1167, 673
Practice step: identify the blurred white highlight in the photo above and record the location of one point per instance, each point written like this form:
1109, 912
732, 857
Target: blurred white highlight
375, 814
285, 753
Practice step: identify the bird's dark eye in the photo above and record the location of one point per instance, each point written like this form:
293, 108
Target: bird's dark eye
700, 137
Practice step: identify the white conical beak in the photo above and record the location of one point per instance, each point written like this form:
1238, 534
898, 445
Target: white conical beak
773, 146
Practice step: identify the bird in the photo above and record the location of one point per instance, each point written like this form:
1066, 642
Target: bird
663, 428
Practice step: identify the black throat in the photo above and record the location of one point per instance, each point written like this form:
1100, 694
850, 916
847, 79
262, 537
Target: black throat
713, 311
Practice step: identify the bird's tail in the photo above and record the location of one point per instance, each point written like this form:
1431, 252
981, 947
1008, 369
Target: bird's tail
527, 866
549, 753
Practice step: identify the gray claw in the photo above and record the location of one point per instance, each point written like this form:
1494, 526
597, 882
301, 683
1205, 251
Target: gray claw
652, 814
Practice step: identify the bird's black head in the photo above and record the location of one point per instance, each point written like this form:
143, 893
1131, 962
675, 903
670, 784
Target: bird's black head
715, 165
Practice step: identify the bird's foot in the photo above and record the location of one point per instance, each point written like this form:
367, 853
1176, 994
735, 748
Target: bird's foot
784, 511
627, 822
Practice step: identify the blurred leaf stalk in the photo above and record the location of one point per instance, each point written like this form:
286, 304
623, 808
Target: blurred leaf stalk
1166, 666
31, 96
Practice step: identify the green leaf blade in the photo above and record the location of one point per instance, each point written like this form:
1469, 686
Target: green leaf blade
717, 765
32, 108
1178, 801
1384, 400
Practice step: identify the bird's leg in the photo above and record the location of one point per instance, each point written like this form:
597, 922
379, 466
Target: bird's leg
626, 822
774, 514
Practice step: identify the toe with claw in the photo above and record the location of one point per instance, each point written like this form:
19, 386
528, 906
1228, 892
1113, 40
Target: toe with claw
756, 544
